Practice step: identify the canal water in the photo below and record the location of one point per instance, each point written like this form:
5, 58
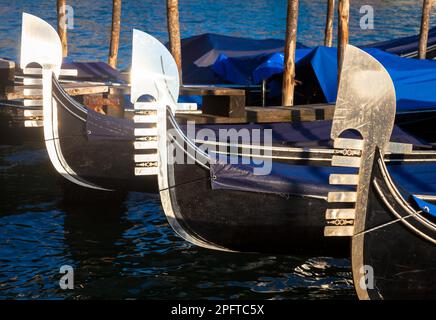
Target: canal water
126, 249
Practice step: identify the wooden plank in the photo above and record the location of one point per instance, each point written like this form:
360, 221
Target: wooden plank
219, 101
191, 90
269, 114
73, 89
115, 33
119, 89
284, 114
425, 23
224, 106
210, 91
266, 115
290, 48
183, 118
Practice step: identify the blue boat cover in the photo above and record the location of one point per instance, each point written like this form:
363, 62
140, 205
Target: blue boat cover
425, 206
303, 134
308, 179
199, 53
244, 55
305, 180
414, 79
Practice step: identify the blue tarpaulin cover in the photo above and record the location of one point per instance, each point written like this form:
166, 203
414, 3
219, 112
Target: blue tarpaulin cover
313, 180
218, 59
303, 134
425, 206
199, 54
286, 178
414, 80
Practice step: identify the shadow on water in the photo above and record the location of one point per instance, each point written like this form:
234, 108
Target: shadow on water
129, 251
126, 249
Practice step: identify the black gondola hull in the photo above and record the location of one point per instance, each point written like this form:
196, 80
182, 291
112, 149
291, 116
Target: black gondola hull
245, 221
398, 248
102, 161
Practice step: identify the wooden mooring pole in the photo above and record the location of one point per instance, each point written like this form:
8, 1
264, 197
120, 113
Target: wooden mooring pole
328, 39
115, 33
174, 33
62, 26
290, 47
343, 20
425, 23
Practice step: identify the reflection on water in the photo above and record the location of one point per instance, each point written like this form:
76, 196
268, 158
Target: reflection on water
127, 249
89, 40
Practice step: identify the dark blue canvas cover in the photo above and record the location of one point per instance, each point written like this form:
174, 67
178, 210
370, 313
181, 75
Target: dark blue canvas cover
313, 134
310, 179
425, 206
313, 180
200, 53
414, 79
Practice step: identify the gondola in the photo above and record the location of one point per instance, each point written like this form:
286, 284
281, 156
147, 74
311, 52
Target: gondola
225, 206
393, 230
86, 148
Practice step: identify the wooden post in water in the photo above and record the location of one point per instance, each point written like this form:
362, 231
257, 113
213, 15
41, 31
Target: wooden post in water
174, 33
290, 47
425, 23
62, 27
115, 34
343, 19
328, 39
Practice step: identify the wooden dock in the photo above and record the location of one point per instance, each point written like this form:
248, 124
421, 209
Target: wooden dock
73, 89
265, 115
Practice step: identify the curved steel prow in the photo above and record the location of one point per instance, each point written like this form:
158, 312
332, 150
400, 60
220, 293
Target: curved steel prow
366, 99
154, 93
154, 87
153, 66
40, 43
366, 103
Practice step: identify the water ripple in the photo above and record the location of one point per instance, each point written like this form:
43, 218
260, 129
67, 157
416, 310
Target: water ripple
127, 250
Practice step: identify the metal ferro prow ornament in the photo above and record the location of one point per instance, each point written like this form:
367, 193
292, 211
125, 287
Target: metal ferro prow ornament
157, 77
154, 74
40, 44
366, 103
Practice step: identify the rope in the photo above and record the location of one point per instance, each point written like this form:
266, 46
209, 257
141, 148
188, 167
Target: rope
185, 183
386, 224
